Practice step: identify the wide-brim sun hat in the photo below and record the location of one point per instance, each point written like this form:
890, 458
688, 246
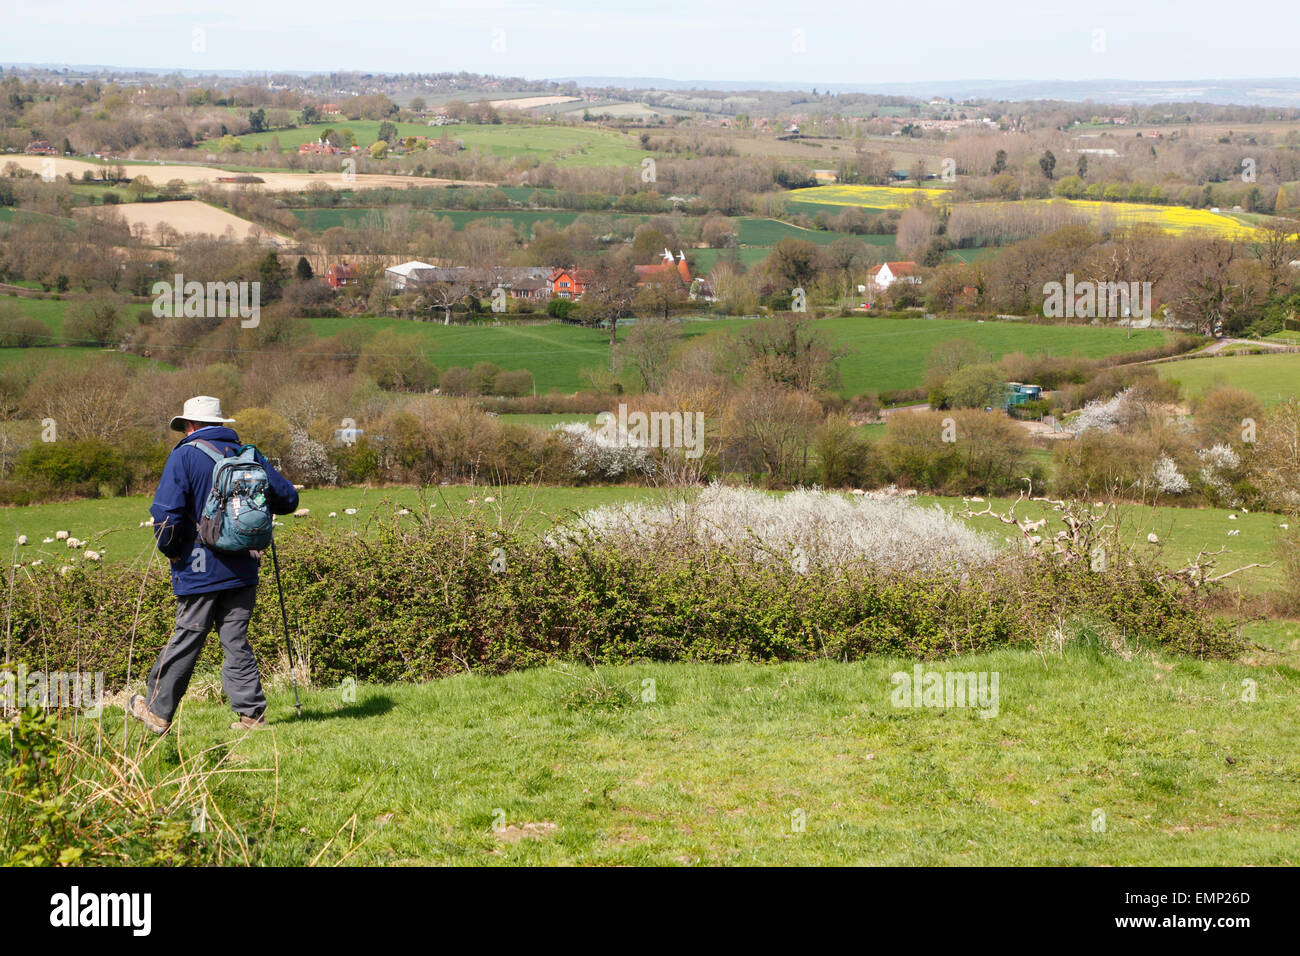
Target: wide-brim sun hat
200, 408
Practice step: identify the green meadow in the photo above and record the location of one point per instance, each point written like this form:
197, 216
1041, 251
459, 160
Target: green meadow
564, 145
1271, 378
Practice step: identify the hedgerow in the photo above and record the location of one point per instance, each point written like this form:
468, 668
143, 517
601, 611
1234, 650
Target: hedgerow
419, 598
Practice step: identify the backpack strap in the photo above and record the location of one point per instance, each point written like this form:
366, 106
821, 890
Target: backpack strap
209, 449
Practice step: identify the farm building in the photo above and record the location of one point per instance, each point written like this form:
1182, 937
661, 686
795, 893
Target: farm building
667, 266
518, 282
398, 275
40, 147
1018, 393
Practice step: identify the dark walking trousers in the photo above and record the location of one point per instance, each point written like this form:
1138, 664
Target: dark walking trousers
229, 612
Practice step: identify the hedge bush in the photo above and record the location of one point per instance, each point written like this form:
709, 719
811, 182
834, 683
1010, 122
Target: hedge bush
416, 600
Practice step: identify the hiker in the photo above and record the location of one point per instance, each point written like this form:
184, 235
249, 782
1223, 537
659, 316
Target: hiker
214, 588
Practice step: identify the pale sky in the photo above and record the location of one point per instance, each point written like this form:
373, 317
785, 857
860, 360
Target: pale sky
832, 41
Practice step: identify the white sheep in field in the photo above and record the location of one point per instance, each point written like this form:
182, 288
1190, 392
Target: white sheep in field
93, 555
71, 542
334, 514
1153, 538
22, 539
489, 500
1031, 526
404, 511
1232, 517
349, 511
1233, 532
48, 541
302, 512
61, 535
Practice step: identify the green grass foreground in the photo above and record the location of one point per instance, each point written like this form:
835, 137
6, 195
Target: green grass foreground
566, 765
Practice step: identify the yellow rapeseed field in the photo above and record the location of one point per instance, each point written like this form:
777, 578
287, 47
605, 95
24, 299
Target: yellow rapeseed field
1175, 219
875, 197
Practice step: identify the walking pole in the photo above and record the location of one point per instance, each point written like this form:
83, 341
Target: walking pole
284, 616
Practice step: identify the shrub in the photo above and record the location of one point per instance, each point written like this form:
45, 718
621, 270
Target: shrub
561, 308
418, 598
960, 452
803, 529
598, 456
19, 331
84, 468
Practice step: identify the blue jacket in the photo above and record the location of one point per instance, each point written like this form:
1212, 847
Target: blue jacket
186, 481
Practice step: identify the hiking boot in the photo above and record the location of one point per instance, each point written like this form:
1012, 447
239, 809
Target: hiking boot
249, 723
137, 709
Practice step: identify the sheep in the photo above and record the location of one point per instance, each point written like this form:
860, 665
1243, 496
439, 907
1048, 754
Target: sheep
1234, 531
334, 514
61, 535
1030, 526
22, 539
93, 555
404, 511
1285, 527
1153, 538
489, 499
349, 511
1232, 517
48, 541
858, 491
71, 542
302, 512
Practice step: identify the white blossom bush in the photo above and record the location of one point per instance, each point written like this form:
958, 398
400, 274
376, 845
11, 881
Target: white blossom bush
804, 529
1103, 416
309, 460
599, 455
1218, 464
1169, 480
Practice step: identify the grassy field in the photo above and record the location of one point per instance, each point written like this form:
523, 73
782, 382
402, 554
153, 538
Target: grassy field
891, 353
1272, 378
681, 764
883, 354
318, 220
112, 525
568, 145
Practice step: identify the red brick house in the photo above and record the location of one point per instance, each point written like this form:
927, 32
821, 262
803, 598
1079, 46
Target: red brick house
567, 283
341, 274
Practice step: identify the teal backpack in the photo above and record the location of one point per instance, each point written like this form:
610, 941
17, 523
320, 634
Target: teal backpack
236, 516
